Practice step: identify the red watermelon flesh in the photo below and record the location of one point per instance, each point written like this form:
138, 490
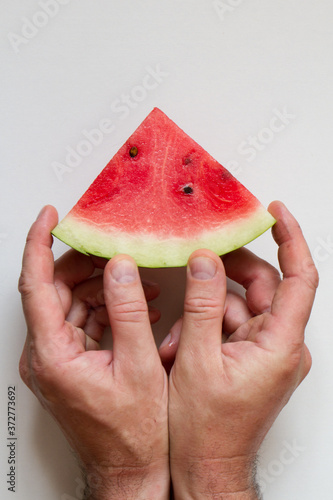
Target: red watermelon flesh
161, 197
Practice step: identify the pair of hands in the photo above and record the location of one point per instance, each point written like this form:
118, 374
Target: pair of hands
132, 425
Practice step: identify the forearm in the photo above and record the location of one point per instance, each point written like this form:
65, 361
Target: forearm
214, 480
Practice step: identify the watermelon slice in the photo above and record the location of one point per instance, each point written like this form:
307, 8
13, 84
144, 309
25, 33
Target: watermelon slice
161, 197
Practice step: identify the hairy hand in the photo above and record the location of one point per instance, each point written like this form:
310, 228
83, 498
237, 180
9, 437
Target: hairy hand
111, 405
224, 396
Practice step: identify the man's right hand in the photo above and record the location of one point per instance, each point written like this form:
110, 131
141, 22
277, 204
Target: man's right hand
223, 398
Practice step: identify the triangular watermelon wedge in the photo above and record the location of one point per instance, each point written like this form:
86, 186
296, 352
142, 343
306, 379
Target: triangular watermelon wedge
161, 197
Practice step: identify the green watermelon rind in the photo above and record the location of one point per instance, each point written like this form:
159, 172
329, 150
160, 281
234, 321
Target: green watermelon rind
154, 252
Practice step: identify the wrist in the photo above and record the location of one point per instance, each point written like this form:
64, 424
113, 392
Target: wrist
130, 483
202, 479
220, 495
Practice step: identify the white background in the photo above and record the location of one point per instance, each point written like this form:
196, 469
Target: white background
225, 70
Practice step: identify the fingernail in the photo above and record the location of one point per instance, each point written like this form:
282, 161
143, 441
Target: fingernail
202, 268
149, 283
124, 271
166, 341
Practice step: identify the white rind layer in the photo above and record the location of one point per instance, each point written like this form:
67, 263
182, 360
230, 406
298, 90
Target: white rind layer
149, 251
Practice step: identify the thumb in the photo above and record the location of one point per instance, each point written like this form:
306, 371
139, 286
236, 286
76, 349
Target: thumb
127, 309
204, 305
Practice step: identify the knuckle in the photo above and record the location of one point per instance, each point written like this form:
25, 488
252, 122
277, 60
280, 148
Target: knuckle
48, 382
42, 362
24, 369
23, 284
307, 363
312, 275
133, 311
26, 285
203, 307
274, 275
291, 363
39, 369
269, 272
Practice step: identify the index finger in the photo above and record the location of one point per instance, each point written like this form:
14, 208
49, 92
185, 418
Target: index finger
41, 303
294, 297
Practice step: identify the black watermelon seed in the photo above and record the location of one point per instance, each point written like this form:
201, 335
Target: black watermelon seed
133, 151
186, 161
188, 190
